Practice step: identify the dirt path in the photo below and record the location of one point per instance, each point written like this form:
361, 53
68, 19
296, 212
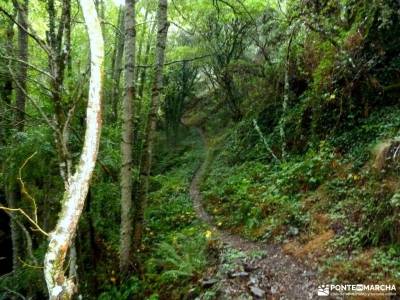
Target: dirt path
271, 275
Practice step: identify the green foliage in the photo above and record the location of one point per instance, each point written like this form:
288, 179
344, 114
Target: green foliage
182, 260
104, 210
174, 252
265, 197
386, 262
26, 281
130, 288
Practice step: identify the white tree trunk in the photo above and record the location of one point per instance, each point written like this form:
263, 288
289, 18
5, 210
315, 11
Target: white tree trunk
58, 284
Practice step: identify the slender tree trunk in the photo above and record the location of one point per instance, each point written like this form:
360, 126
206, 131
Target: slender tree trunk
116, 65
143, 73
22, 72
138, 135
143, 58
6, 91
66, 54
93, 246
138, 98
162, 31
141, 41
286, 92
59, 285
127, 138
16, 233
59, 41
13, 192
5, 126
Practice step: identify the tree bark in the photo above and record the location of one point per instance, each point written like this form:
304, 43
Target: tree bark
141, 41
142, 76
59, 41
162, 31
16, 233
22, 71
5, 126
6, 92
127, 138
12, 191
286, 92
59, 285
116, 66
143, 73
285, 101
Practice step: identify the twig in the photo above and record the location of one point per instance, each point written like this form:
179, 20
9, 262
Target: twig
25, 264
23, 188
176, 61
27, 216
181, 28
28, 64
264, 140
14, 292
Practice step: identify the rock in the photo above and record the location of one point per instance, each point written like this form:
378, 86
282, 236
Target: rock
239, 274
257, 292
253, 281
207, 283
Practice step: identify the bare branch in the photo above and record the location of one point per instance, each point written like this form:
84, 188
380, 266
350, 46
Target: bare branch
28, 64
177, 61
25, 264
31, 33
20, 210
23, 188
14, 293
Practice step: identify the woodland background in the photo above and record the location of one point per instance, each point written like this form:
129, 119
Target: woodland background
298, 102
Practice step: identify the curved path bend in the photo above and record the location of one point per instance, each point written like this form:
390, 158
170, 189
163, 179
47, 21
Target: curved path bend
276, 274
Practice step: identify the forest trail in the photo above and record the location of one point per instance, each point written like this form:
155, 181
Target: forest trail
272, 275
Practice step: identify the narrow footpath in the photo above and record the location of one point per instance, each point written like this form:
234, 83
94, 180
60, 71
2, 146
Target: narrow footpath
270, 275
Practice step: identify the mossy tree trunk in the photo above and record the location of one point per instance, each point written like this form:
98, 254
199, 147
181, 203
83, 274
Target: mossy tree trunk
58, 38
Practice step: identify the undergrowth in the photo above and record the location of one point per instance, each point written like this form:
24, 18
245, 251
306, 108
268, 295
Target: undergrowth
283, 202
175, 249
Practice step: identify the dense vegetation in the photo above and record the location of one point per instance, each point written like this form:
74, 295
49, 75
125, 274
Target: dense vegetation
293, 105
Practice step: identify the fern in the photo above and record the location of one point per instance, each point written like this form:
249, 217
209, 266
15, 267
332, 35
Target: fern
183, 260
